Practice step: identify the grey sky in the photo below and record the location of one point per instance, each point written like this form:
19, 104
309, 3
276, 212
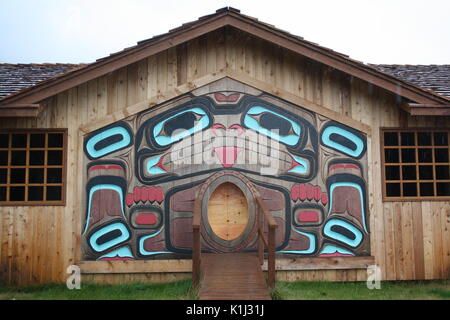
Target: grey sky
382, 31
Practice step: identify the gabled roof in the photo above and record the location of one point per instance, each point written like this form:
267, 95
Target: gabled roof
432, 77
224, 17
16, 77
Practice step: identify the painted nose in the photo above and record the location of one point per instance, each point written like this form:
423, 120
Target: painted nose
219, 126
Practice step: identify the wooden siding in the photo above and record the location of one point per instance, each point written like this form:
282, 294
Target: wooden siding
409, 240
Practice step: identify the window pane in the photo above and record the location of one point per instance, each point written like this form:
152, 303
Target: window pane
392, 172
424, 138
37, 140
426, 172
2, 193
443, 188
19, 140
441, 155
36, 175
409, 189
35, 193
18, 158
426, 189
393, 189
55, 140
442, 172
407, 138
37, 158
16, 193
53, 193
408, 155
409, 173
391, 156
441, 139
3, 158
17, 176
4, 140
391, 139
54, 175
54, 157
3, 175
425, 155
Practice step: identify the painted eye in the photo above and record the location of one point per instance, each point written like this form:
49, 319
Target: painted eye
180, 125
273, 125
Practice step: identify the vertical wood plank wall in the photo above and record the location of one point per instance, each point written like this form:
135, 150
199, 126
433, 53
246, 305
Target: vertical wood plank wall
410, 240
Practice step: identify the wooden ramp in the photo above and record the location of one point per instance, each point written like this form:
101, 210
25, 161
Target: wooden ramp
232, 276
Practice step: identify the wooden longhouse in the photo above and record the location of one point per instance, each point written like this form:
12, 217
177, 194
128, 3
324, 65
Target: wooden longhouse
223, 136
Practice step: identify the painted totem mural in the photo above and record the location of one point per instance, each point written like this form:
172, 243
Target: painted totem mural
143, 174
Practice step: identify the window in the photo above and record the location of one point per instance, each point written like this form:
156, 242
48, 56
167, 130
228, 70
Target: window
416, 164
32, 167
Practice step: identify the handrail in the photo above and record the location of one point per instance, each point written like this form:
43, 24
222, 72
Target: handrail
263, 242
268, 242
196, 243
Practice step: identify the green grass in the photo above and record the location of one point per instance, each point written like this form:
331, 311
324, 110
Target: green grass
401, 290
180, 290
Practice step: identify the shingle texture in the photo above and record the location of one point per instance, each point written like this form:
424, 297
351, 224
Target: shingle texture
432, 77
15, 77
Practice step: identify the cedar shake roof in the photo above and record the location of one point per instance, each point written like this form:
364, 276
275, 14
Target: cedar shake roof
432, 77
421, 97
15, 77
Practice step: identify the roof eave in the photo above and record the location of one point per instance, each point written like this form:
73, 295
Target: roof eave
232, 18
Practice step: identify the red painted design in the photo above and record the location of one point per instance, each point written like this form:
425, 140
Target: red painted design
343, 166
220, 97
324, 199
105, 167
295, 192
317, 193
137, 194
307, 216
116, 258
151, 194
309, 191
159, 195
129, 199
146, 219
144, 194
227, 155
302, 192
336, 254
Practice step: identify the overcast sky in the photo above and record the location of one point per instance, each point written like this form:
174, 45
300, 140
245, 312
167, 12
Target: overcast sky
381, 31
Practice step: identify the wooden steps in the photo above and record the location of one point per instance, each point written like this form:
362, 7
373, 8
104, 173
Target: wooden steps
232, 276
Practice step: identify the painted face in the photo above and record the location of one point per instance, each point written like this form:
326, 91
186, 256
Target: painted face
144, 173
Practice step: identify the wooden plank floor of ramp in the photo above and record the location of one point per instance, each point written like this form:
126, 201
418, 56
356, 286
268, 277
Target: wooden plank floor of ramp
232, 276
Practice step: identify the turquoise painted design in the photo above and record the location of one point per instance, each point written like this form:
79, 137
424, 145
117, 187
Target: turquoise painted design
200, 125
104, 246
350, 136
353, 185
125, 142
352, 243
123, 252
102, 187
252, 123
312, 244
149, 253
150, 166
329, 249
302, 168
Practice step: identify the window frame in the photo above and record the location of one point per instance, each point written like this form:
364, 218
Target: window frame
416, 164
27, 166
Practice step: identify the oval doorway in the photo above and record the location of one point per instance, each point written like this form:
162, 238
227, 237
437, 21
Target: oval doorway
228, 211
